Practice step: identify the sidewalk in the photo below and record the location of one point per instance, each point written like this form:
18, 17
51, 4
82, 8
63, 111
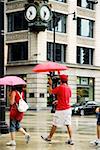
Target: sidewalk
39, 123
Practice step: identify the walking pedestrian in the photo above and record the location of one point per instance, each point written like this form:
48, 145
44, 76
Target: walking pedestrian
16, 116
97, 141
62, 114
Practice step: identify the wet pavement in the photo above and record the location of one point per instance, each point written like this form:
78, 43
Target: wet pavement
39, 123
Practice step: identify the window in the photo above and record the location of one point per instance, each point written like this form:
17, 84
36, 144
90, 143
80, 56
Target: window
59, 54
1, 91
85, 55
42, 95
61, 1
17, 22
11, 0
59, 22
17, 51
31, 95
85, 27
85, 4
85, 89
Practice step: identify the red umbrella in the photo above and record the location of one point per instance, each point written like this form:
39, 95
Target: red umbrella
49, 67
12, 80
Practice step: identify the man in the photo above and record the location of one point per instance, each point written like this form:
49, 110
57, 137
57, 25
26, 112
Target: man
62, 115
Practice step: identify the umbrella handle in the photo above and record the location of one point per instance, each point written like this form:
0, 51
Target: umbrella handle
51, 74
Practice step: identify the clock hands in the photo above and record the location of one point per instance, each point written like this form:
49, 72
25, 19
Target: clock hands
44, 14
30, 13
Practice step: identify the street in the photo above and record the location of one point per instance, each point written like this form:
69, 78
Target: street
39, 123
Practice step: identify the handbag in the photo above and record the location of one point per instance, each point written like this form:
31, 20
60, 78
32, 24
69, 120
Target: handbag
22, 106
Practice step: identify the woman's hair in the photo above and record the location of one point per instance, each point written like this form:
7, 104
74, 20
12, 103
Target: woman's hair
18, 88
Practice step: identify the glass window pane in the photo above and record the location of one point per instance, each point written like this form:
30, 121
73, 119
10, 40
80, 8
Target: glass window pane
85, 4
84, 55
11, 0
17, 51
59, 22
85, 91
17, 21
85, 27
59, 54
61, 1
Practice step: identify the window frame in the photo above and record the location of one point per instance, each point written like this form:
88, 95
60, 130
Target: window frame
17, 52
90, 27
52, 55
58, 22
80, 57
63, 1
16, 21
88, 86
89, 5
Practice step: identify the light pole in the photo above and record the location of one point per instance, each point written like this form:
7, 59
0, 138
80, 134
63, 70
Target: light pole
54, 17
55, 23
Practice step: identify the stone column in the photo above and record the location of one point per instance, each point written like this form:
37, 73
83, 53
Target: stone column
71, 31
37, 46
37, 82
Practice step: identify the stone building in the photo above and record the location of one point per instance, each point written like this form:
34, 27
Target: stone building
77, 33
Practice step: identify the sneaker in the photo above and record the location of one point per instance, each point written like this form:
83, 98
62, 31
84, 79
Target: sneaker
11, 143
70, 142
45, 138
27, 138
95, 142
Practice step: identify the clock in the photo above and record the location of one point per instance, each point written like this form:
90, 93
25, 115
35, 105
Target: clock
45, 13
30, 13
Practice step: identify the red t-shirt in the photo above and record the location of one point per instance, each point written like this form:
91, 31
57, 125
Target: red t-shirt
63, 93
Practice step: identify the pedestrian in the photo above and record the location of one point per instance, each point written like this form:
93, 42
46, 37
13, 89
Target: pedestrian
16, 116
62, 114
97, 141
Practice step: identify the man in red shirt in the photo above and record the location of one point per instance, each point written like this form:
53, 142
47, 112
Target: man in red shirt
63, 112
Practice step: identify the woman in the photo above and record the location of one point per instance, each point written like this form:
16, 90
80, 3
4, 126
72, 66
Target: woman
16, 116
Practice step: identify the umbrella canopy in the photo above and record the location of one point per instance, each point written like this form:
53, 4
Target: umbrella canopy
48, 67
12, 80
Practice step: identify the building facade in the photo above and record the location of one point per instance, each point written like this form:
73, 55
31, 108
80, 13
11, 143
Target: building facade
76, 46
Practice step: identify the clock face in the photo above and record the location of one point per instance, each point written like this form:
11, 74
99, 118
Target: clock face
45, 13
30, 13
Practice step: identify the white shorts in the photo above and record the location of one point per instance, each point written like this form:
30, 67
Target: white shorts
62, 117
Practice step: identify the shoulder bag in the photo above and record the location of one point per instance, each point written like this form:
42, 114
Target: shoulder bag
22, 106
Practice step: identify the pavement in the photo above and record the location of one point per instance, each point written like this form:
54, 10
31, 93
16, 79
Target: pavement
38, 123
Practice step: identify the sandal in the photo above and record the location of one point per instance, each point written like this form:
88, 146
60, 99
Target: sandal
45, 138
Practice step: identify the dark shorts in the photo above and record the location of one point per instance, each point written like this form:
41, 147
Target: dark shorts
98, 118
14, 125
98, 122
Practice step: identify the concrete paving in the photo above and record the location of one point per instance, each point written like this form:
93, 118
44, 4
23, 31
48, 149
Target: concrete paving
39, 123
